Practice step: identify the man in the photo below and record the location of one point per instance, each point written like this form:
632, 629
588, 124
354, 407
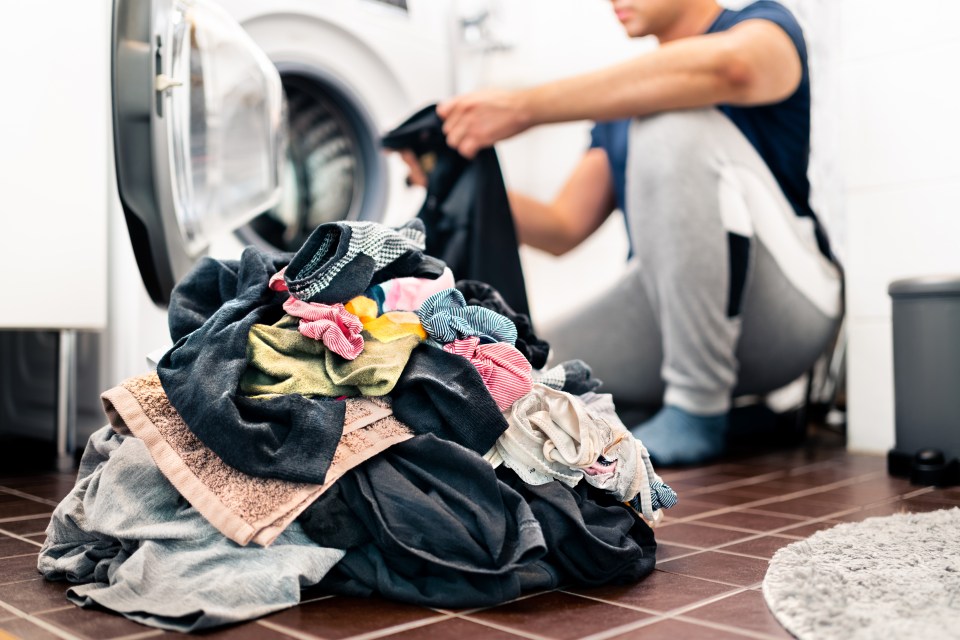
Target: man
703, 144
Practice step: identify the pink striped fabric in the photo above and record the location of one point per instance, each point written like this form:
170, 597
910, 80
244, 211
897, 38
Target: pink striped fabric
277, 283
335, 326
503, 369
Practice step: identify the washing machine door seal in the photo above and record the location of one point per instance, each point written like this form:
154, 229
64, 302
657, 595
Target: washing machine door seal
199, 131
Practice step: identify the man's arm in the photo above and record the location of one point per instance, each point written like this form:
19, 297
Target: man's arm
752, 63
581, 206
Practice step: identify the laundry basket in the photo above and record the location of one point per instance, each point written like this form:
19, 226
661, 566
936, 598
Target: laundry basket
926, 367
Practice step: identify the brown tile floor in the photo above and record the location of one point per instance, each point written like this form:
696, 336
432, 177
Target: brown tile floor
714, 549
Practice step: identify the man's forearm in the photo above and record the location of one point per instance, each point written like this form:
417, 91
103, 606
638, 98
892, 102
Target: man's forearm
538, 225
689, 73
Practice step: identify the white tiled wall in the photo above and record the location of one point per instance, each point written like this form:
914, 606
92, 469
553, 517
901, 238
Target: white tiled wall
901, 130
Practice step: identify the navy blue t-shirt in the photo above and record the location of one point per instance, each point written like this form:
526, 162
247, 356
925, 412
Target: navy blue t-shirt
779, 132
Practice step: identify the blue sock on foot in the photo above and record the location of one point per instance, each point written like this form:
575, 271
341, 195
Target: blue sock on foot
678, 437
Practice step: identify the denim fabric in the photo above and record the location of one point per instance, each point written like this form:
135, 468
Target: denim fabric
290, 437
482, 294
445, 532
591, 538
147, 554
442, 393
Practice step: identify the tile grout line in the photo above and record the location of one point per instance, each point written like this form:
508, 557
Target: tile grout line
732, 484
723, 627
800, 493
406, 626
840, 513
674, 614
676, 610
43, 624
52, 610
501, 627
19, 537
624, 628
152, 633
760, 502
36, 516
293, 633
21, 494
632, 607
726, 584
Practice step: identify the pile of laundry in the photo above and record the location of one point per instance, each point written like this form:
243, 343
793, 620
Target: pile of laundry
352, 417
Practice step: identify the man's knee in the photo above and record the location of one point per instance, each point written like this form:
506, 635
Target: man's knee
667, 143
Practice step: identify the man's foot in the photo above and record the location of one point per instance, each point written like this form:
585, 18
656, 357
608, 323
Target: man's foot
677, 437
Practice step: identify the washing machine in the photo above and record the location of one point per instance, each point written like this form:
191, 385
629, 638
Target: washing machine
243, 122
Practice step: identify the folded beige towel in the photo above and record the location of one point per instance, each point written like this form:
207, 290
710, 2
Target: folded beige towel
243, 507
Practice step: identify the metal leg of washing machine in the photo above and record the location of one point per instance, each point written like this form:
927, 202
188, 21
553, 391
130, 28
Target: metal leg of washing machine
66, 399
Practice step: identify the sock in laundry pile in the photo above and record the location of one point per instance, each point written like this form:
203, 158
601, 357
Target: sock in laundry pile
387, 326
446, 317
282, 362
572, 376
482, 294
677, 437
503, 369
395, 324
291, 437
340, 260
337, 328
433, 392
407, 294
363, 307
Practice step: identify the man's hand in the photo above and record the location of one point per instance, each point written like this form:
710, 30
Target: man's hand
416, 177
477, 120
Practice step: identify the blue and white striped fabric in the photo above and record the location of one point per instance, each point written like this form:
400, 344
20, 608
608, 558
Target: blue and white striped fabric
446, 317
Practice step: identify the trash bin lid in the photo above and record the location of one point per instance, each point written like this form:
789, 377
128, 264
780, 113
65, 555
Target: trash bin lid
924, 286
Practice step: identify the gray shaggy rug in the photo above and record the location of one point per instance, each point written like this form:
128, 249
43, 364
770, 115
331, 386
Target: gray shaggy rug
887, 578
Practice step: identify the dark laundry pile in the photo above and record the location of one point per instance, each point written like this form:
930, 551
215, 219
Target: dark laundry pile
392, 439
350, 416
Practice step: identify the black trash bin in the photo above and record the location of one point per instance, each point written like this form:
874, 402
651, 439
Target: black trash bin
926, 372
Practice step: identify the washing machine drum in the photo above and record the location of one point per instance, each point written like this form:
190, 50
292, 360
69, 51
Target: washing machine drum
205, 142
333, 168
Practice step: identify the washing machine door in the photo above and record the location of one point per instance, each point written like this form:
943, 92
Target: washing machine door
199, 131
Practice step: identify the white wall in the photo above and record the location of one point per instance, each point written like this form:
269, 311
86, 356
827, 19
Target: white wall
899, 153
54, 118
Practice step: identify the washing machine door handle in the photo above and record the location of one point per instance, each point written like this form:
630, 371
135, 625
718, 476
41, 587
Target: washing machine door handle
199, 131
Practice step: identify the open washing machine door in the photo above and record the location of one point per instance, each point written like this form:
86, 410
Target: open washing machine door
199, 131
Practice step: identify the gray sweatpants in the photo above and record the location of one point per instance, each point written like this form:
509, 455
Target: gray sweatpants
727, 295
